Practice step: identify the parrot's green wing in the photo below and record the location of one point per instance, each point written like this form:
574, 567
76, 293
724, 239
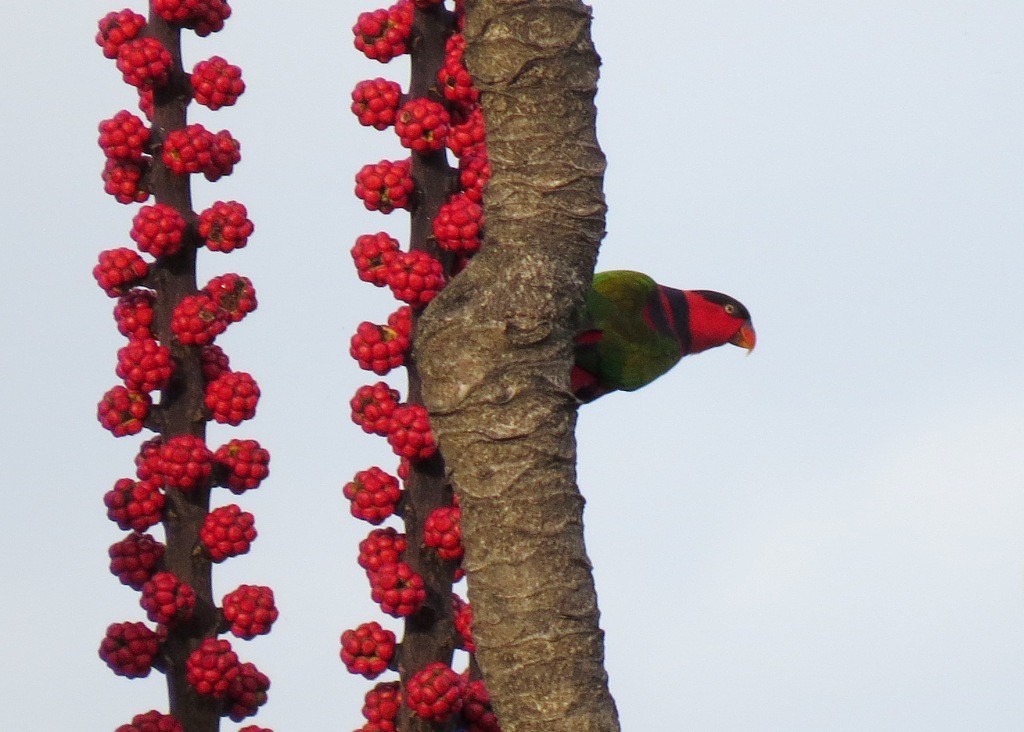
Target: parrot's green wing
617, 344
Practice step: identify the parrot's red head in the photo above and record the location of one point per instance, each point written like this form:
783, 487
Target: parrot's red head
716, 319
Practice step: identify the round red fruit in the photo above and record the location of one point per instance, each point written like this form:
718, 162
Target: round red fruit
367, 649
225, 226
123, 411
118, 270
435, 692
227, 532
245, 465
250, 609
232, 397
166, 599
129, 649
212, 667
374, 495
421, 125
145, 365
216, 83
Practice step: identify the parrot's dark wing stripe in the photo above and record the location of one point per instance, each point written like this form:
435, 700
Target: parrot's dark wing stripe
670, 315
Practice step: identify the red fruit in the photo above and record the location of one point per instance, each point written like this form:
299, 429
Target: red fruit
129, 649
415, 277
474, 172
383, 34
216, 83
146, 459
250, 609
166, 599
123, 137
158, 230
381, 705
134, 314
375, 102
442, 531
421, 125
134, 505
367, 650
116, 28
453, 78
194, 149
184, 462
232, 397
246, 462
380, 548
134, 559
380, 348
247, 692
374, 495
122, 411
476, 709
123, 180
152, 721
233, 294
457, 225
397, 589
371, 254
118, 270
144, 365
410, 435
227, 532
386, 185
146, 102
435, 692
225, 226
227, 152
203, 16
197, 320
214, 361
467, 130
372, 407
212, 667
463, 613
144, 62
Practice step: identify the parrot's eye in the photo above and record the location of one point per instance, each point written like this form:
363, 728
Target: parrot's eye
730, 308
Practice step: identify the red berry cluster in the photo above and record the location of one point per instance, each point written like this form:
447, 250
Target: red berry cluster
440, 113
380, 348
367, 649
129, 649
435, 692
227, 532
374, 495
170, 363
166, 599
216, 83
250, 609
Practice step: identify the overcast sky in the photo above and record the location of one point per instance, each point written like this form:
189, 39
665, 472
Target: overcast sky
827, 535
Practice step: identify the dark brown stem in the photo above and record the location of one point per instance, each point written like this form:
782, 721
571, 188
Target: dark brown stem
181, 405
430, 633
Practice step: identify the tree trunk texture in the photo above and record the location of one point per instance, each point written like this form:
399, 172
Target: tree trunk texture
494, 351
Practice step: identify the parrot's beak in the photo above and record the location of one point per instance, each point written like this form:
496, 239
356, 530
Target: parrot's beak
745, 337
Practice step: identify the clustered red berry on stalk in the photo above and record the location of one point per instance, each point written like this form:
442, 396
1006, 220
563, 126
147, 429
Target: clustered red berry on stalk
170, 351
444, 119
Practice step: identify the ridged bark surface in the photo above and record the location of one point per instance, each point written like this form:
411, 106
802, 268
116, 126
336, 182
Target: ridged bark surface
494, 350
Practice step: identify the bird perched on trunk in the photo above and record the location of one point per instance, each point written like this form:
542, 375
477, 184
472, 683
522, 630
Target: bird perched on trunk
634, 330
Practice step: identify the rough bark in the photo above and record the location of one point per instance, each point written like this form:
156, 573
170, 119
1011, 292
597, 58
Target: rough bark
494, 352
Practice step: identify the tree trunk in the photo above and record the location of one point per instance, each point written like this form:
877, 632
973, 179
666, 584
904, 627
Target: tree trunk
494, 351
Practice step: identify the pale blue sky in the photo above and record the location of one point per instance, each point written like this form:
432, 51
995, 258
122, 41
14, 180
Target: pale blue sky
828, 535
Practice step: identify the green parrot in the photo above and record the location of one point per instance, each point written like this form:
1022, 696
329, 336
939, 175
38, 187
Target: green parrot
634, 330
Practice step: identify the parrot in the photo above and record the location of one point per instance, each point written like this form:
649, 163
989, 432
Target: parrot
633, 330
